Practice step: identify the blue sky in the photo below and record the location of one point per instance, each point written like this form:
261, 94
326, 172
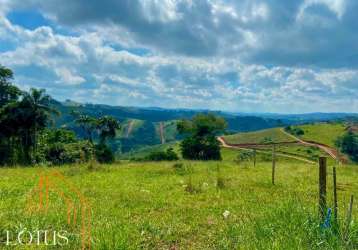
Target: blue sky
250, 56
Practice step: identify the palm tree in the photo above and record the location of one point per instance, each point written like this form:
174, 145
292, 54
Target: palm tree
88, 124
107, 127
35, 111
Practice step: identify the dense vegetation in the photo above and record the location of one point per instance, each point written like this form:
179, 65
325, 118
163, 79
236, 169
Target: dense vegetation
200, 142
168, 155
348, 144
295, 131
25, 138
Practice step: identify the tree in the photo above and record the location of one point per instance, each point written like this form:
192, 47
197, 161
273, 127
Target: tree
348, 144
200, 142
9, 95
8, 92
103, 128
35, 112
88, 124
60, 146
107, 127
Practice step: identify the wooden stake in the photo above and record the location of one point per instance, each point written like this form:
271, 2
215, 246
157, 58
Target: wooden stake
322, 186
349, 218
254, 157
335, 196
273, 163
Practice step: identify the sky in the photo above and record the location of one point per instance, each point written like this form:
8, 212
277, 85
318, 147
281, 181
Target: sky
295, 56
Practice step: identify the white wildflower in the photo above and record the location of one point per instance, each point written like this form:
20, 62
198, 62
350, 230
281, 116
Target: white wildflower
226, 214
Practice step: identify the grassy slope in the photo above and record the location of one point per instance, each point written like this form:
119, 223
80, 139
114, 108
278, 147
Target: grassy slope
124, 127
170, 131
325, 133
275, 134
145, 206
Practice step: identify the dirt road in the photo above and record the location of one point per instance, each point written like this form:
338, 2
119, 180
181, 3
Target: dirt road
130, 128
252, 146
329, 150
161, 132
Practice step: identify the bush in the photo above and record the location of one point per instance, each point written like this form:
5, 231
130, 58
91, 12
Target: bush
201, 148
348, 144
104, 154
201, 142
244, 156
294, 131
168, 155
61, 153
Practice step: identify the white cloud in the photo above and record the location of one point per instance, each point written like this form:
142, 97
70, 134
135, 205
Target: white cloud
336, 6
103, 66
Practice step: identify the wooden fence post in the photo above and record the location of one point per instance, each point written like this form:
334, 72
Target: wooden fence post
254, 157
273, 163
322, 186
335, 196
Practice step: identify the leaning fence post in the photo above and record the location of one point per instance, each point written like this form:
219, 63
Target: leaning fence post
322, 186
273, 163
335, 195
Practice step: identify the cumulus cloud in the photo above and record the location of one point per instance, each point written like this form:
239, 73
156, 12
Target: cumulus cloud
293, 56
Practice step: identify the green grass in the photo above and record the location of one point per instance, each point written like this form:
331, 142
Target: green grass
145, 151
262, 136
325, 133
146, 205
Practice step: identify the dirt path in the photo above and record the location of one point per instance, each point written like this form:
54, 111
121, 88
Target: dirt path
161, 132
250, 146
331, 151
130, 128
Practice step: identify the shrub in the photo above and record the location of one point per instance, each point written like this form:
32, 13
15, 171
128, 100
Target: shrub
200, 142
104, 154
201, 148
61, 153
244, 156
168, 155
294, 131
348, 144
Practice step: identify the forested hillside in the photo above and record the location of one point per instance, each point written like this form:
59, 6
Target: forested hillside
142, 127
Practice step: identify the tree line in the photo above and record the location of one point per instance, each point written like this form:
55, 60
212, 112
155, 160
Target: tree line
25, 136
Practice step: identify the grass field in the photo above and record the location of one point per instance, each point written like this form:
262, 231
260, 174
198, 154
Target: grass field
325, 133
145, 151
262, 136
174, 206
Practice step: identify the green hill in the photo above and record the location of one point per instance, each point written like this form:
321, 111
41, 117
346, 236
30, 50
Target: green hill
142, 127
276, 135
263, 136
326, 133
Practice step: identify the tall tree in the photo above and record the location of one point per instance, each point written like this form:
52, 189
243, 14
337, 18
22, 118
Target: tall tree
107, 127
33, 112
200, 142
8, 92
88, 124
